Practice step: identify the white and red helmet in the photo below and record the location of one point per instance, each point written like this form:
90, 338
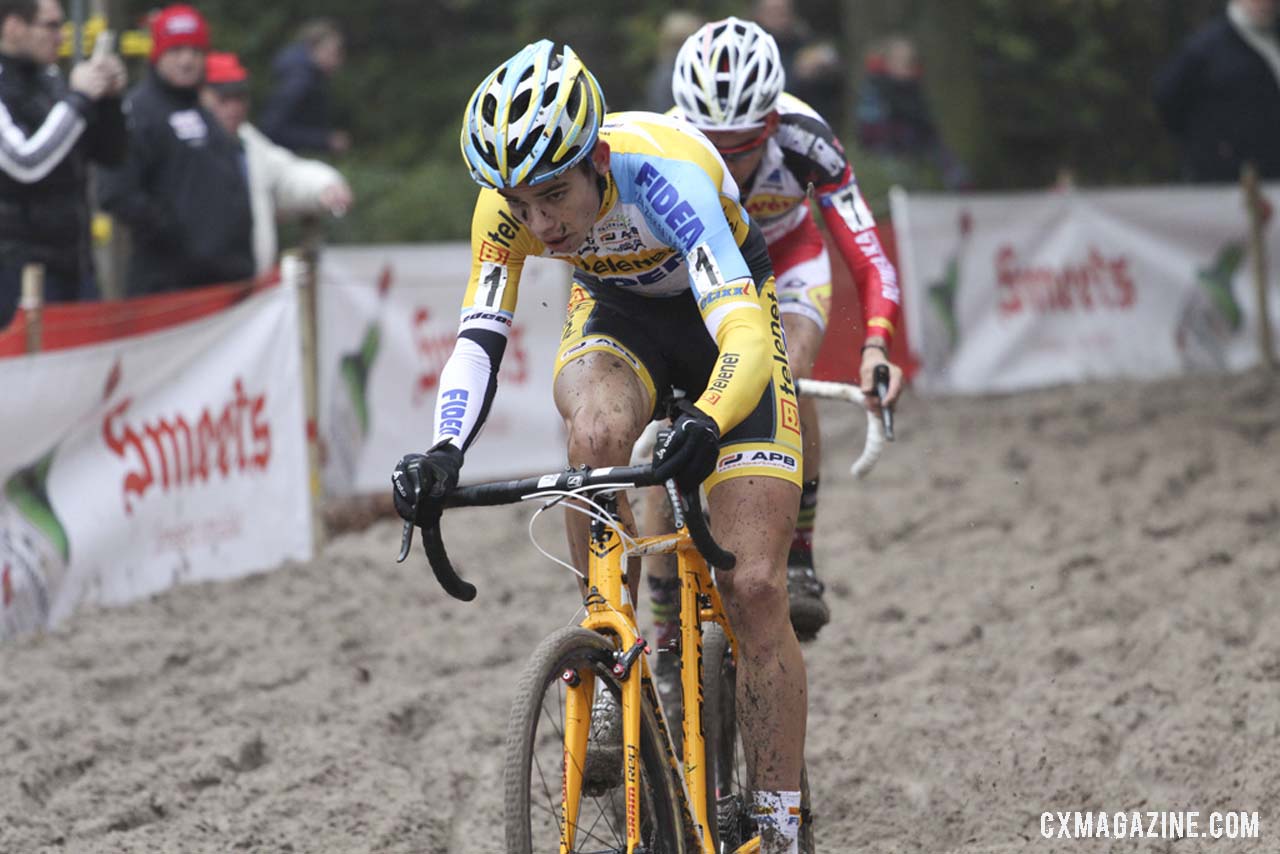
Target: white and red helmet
728, 76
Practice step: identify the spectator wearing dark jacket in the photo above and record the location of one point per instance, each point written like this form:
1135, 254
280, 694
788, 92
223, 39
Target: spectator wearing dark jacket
894, 119
50, 128
182, 191
299, 112
1220, 95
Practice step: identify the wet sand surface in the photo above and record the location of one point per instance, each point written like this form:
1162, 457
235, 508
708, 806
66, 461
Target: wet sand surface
1060, 600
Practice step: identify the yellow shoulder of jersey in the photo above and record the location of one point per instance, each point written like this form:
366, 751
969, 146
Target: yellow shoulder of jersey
658, 135
499, 245
496, 235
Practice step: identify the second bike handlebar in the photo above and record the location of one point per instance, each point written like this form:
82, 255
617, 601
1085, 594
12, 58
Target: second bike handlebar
511, 491
876, 426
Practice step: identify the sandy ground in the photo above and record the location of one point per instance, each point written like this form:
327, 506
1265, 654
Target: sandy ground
1063, 600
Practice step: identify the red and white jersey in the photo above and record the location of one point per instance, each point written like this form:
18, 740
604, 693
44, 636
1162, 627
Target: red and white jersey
805, 151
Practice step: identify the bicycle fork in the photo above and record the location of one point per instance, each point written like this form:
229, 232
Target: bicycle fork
607, 584
577, 725
693, 572
579, 698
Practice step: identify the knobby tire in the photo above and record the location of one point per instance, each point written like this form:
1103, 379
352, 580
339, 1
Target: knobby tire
535, 756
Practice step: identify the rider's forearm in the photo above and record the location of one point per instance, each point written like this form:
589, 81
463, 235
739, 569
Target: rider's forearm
873, 272
468, 382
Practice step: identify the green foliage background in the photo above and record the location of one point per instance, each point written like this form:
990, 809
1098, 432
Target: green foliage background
1021, 88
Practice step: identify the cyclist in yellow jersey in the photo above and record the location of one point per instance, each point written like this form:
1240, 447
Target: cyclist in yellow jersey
672, 288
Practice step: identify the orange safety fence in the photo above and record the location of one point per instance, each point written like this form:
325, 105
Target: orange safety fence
77, 324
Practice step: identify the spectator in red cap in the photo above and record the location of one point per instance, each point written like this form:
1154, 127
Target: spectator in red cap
182, 191
280, 182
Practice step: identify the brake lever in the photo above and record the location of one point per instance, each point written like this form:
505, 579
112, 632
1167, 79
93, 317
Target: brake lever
406, 536
406, 541
880, 376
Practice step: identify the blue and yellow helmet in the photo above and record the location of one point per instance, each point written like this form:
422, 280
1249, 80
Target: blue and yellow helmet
532, 118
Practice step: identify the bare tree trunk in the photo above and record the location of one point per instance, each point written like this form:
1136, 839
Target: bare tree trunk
866, 22
951, 76
943, 31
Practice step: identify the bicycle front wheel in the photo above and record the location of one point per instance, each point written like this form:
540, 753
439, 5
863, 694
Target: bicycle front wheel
536, 755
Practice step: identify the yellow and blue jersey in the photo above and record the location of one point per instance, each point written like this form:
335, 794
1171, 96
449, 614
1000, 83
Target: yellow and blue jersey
670, 221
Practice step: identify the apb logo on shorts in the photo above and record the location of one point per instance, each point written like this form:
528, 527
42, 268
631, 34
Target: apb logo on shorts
767, 459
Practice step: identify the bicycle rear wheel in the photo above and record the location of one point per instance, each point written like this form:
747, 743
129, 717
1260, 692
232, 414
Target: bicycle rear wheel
536, 755
728, 786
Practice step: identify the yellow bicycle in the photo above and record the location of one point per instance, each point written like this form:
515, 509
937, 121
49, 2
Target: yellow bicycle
664, 801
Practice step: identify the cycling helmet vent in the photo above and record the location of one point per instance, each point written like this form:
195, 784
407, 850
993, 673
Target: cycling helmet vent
728, 76
537, 127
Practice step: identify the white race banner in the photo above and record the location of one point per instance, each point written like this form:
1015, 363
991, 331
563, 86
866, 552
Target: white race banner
388, 318
136, 464
1003, 292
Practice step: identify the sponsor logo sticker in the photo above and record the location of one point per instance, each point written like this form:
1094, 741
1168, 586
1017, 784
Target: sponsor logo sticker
790, 415
494, 253
721, 294
766, 459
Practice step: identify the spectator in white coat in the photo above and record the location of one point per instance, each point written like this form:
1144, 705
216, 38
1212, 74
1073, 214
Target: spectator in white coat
280, 182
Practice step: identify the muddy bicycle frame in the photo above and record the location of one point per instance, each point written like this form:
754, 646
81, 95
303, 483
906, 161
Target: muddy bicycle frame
610, 612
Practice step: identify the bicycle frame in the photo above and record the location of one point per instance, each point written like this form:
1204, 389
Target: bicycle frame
610, 611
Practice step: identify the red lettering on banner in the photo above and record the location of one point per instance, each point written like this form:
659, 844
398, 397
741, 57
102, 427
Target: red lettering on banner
1099, 283
435, 347
204, 532
169, 453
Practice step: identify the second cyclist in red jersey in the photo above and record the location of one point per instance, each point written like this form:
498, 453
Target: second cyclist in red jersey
729, 82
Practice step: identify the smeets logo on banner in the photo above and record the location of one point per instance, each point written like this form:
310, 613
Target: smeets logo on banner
433, 342
1095, 284
166, 453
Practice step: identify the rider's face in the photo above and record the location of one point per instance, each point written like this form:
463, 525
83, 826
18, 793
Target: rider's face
560, 212
742, 150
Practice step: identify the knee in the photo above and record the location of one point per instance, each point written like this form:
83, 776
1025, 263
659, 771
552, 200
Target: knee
757, 599
600, 437
802, 350
801, 363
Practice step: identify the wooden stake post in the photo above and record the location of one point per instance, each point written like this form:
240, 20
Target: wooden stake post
296, 271
32, 305
1258, 217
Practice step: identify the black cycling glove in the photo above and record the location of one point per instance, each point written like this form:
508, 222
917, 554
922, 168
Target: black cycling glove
420, 482
689, 449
